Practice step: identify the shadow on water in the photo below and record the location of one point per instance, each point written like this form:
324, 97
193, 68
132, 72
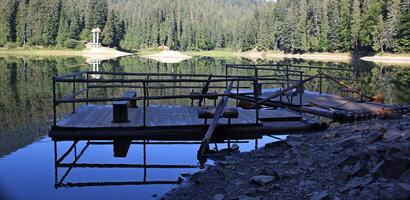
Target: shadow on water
26, 92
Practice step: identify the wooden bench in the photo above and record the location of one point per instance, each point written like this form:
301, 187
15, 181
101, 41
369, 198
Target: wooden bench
120, 108
229, 113
197, 96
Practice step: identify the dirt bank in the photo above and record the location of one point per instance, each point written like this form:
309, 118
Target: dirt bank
101, 53
368, 160
334, 57
89, 53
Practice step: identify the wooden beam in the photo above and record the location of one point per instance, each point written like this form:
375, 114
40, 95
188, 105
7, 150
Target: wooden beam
218, 113
281, 92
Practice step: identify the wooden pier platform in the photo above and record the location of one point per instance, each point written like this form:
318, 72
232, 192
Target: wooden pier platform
172, 122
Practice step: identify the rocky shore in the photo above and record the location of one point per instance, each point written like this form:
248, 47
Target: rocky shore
366, 160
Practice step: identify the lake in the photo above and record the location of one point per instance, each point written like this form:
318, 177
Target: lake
26, 153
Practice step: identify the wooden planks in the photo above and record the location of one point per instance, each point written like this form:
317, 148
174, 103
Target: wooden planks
310, 98
99, 116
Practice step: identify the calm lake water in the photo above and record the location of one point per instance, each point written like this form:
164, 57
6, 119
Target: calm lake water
27, 156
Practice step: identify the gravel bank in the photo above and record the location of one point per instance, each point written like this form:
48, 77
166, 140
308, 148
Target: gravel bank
367, 160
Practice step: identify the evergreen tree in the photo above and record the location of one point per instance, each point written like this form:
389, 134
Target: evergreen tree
344, 26
334, 20
21, 23
370, 22
109, 32
8, 11
324, 27
300, 37
403, 31
95, 16
393, 14
355, 23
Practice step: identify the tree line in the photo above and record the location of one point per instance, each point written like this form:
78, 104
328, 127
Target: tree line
287, 25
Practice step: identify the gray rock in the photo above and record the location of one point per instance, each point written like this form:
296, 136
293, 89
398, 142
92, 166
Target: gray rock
354, 183
349, 142
305, 161
248, 198
405, 177
262, 179
372, 148
374, 135
307, 183
346, 160
366, 181
359, 169
386, 190
370, 192
392, 135
219, 197
377, 169
280, 143
235, 147
392, 167
323, 195
402, 191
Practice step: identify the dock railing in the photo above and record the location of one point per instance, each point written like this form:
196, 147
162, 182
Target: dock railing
81, 84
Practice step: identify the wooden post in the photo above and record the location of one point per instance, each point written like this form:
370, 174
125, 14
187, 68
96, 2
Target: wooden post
144, 102
87, 87
320, 80
73, 104
237, 93
147, 90
301, 89
257, 89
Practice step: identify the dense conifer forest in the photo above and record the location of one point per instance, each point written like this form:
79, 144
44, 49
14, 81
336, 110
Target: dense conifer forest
288, 25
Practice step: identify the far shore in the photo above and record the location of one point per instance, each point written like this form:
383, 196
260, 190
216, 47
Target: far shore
105, 53
89, 53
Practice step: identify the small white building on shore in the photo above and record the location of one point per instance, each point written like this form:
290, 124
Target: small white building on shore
96, 37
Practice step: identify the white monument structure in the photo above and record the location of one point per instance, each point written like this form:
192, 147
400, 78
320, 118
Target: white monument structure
96, 37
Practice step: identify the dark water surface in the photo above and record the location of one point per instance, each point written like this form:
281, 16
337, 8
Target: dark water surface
27, 156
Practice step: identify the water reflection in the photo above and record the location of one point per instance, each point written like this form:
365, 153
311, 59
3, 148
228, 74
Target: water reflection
26, 92
95, 63
64, 165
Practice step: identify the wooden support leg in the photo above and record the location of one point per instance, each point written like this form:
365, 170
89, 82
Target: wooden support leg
120, 112
121, 147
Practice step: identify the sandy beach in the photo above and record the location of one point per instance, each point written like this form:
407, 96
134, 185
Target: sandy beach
167, 57
387, 59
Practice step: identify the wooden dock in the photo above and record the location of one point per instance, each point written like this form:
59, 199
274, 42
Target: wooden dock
270, 100
170, 122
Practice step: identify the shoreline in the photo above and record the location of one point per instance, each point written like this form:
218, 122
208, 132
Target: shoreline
364, 160
106, 53
269, 55
89, 53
